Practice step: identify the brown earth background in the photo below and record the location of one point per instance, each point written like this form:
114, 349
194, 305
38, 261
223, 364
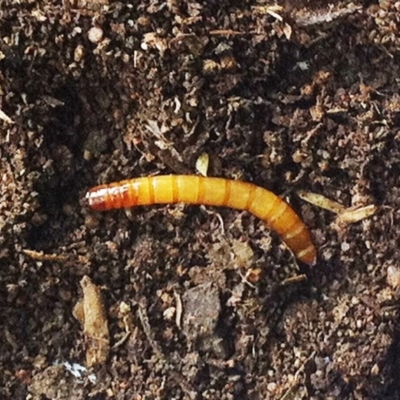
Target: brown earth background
201, 302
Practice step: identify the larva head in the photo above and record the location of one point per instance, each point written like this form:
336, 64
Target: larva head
97, 198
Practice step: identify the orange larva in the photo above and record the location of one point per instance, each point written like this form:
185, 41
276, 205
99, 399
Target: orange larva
191, 189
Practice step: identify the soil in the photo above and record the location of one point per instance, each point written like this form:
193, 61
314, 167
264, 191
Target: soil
199, 302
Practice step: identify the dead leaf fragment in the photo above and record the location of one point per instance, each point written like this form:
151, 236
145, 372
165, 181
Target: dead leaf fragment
202, 164
321, 201
90, 312
352, 215
345, 216
40, 256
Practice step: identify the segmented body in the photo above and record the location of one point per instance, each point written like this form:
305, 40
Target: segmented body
191, 189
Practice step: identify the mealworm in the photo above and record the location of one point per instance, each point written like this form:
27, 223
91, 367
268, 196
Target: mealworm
191, 189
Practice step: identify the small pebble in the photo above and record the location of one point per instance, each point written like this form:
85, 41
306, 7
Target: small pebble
95, 34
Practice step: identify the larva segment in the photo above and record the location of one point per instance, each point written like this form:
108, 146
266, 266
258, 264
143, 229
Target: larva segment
214, 191
188, 189
239, 193
163, 189
192, 189
140, 192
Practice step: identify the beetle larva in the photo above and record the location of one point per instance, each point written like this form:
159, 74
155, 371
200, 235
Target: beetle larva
191, 189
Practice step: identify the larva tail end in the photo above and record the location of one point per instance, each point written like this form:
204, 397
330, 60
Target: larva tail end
313, 263
308, 255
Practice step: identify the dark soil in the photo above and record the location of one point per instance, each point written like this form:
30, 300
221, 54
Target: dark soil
201, 302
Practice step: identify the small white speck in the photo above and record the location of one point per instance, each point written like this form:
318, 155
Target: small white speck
95, 34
